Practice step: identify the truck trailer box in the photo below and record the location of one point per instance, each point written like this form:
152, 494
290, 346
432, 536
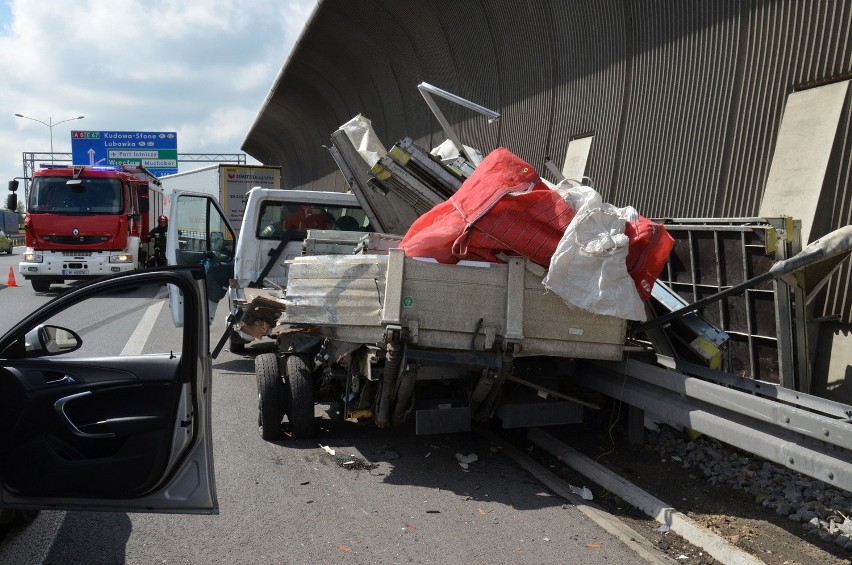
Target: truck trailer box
471, 305
9, 222
228, 183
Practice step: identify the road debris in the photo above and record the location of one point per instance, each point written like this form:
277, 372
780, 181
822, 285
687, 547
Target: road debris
466, 460
583, 493
355, 464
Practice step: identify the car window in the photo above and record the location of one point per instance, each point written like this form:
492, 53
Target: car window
277, 217
132, 322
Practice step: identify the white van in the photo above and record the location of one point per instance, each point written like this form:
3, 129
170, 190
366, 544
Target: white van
272, 216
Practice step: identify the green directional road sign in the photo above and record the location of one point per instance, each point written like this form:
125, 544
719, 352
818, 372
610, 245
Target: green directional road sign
154, 150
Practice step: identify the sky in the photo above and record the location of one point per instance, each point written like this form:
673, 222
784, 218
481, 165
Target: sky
201, 68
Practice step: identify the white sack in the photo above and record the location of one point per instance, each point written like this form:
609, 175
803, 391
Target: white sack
447, 153
588, 269
360, 132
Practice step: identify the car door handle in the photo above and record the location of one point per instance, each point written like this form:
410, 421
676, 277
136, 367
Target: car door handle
66, 380
59, 406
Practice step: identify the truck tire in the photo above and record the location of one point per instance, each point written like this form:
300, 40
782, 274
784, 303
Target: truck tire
40, 285
270, 392
300, 381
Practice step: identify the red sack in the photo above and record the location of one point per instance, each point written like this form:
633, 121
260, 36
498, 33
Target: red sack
650, 245
503, 207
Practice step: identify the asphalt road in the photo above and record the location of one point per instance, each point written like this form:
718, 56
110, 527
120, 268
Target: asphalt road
386, 496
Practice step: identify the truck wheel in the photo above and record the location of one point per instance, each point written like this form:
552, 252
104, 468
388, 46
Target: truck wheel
270, 391
301, 414
40, 285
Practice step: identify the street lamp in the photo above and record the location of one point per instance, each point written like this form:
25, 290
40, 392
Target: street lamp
50, 123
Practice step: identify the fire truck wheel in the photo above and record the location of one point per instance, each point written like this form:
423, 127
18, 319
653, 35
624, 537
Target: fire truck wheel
301, 413
40, 285
270, 392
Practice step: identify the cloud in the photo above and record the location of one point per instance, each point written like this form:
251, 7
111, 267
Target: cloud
198, 67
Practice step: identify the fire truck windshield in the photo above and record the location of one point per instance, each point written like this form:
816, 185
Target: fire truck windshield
61, 195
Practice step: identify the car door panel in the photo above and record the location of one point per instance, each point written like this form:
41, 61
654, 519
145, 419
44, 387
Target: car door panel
200, 234
116, 433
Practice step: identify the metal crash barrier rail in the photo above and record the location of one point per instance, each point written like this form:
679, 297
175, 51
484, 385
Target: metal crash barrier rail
805, 433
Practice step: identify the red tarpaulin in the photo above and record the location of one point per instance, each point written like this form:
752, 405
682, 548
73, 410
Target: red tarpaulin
504, 207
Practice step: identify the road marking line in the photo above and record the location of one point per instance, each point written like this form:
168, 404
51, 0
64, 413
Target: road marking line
136, 343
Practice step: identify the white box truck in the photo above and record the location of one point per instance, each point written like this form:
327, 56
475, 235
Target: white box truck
229, 183
9, 222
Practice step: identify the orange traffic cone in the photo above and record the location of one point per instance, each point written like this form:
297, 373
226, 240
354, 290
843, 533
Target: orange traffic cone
11, 281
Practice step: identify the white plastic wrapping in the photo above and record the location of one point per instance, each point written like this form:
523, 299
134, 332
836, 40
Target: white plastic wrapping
447, 152
360, 132
588, 269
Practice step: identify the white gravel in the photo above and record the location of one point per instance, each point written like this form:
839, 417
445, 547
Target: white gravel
824, 510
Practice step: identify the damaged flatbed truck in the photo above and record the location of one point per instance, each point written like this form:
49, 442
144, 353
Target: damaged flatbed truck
498, 295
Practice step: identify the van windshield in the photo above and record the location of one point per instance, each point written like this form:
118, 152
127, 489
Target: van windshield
61, 195
277, 217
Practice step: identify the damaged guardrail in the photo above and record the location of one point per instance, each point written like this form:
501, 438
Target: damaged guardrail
805, 433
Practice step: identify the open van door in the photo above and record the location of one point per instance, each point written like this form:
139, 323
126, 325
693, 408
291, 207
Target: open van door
199, 234
105, 405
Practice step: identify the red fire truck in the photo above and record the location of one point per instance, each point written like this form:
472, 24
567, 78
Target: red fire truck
87, 222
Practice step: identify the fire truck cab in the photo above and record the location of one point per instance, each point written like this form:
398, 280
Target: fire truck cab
87, 222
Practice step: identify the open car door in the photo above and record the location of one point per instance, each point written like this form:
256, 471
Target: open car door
105, 405
200, 234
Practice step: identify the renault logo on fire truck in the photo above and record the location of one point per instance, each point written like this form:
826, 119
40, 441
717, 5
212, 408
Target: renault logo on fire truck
75, 232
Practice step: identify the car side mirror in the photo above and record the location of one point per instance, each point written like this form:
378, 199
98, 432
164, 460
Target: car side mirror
43, 341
